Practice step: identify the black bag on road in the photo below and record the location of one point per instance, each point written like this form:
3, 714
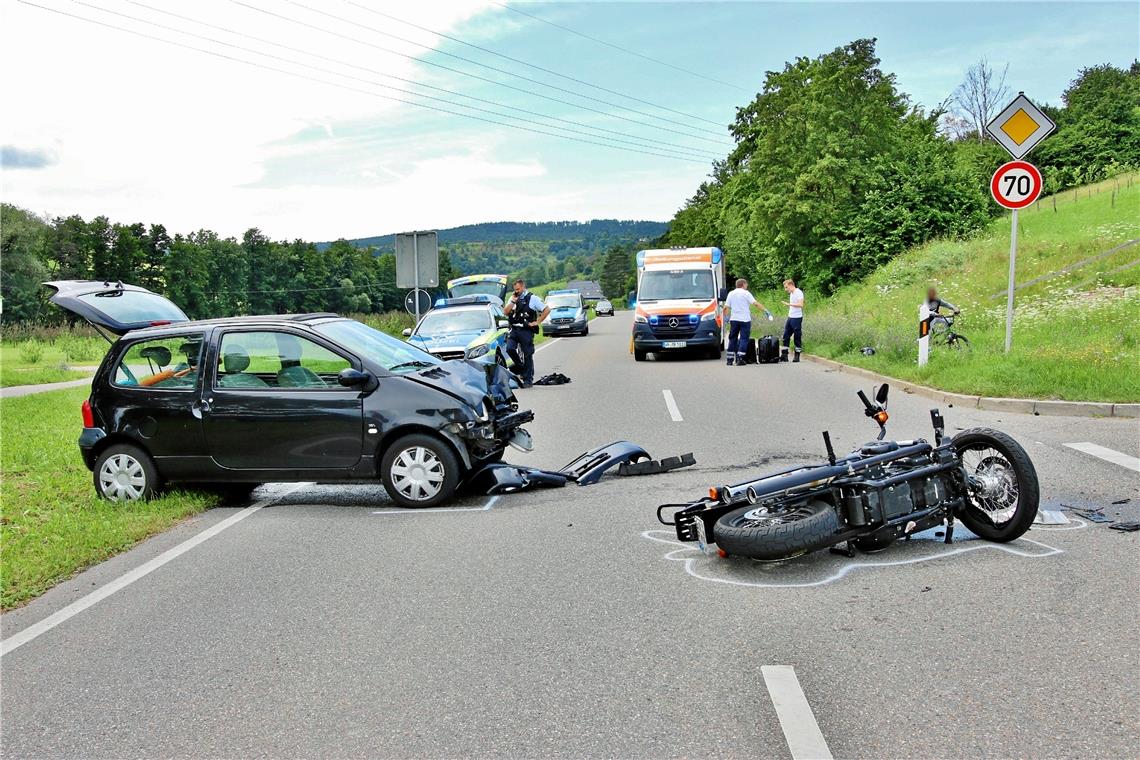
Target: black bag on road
767, 350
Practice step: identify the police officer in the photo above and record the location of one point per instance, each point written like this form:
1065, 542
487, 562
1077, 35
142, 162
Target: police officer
525, 312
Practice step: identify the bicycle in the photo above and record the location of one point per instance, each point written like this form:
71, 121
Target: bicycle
942, 332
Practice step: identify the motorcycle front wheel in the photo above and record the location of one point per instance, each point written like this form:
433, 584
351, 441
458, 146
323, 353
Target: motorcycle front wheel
764, 534
1002, 493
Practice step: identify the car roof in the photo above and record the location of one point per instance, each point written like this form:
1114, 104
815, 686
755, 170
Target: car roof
253, 319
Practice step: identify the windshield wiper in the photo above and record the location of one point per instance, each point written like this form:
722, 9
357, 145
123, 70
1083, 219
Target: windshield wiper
412, 363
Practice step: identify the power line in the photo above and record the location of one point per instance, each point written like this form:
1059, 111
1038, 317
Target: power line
483, 65
531, 65
619, 47
348, 87
368, 81
674, 147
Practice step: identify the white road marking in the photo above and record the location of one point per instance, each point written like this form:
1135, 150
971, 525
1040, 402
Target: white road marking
1108, 455
546, 344
51, 621
490, 503
671, 404
797, 721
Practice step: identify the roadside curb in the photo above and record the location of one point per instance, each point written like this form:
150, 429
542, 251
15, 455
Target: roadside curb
989, 403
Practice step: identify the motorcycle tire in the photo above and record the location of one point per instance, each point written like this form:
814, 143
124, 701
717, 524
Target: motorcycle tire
780, 536
1005, 506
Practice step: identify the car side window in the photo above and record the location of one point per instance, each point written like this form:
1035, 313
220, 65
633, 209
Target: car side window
271, 359
163, 363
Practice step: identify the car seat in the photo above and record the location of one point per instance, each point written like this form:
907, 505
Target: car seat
292, 374
235, 362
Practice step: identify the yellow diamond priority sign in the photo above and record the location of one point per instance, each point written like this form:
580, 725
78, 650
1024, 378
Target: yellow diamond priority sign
1020, 126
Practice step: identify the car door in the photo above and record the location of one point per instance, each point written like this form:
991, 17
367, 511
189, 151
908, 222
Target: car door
274, 403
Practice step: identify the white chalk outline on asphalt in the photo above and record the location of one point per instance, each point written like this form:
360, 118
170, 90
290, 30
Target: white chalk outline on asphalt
689, 562
797, 721
671, 405
61, 616
1108, 455
486, 507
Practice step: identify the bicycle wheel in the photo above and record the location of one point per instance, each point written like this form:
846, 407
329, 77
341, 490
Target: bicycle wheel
959, 342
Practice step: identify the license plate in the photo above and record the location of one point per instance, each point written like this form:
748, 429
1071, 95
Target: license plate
674, 344
702, 540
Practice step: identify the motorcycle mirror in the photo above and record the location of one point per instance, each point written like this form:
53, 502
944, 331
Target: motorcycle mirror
881, 394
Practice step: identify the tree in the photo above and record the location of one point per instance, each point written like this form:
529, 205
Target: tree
982, 94
23, 237
617, 267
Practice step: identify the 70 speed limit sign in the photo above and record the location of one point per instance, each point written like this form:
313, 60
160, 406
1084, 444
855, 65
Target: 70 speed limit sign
1016, 184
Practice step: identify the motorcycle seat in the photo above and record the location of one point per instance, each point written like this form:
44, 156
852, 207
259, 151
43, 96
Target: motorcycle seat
878, 447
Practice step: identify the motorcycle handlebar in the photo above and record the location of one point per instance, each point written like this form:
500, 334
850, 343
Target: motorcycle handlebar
866, 402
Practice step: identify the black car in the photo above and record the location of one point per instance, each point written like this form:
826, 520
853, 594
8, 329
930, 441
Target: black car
306, 397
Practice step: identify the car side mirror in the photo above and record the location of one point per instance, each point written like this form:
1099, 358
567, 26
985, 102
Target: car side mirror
353, 378
502, 323
407, 332
881, 394
722, 296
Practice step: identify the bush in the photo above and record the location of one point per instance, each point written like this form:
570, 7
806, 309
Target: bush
32, 351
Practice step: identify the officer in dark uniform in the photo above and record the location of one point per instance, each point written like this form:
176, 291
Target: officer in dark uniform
525, 312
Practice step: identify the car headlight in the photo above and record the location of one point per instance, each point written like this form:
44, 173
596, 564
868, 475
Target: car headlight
710, 317
641, 318
477, 351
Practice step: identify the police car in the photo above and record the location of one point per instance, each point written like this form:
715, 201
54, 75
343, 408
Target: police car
468, 327
567, 314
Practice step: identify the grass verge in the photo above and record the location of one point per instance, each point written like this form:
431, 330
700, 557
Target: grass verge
51, 523
1076, 333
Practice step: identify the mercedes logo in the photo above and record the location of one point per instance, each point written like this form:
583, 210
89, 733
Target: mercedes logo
673, 322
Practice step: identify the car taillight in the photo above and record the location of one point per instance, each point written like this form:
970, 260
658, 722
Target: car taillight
159, 322
88, 416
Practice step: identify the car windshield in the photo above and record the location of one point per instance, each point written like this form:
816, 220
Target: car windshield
562, 301
390, 353
446, 321
660, 285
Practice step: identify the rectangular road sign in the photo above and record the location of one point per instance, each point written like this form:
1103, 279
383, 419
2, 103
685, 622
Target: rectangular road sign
1020, 126
417, 259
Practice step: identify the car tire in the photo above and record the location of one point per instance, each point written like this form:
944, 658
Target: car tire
409, 468
124, 472
586, 330
638, 355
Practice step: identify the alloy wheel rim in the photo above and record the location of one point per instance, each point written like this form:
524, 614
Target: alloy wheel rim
122, 478
418, 473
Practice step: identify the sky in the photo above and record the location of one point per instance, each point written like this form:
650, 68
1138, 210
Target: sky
314, 118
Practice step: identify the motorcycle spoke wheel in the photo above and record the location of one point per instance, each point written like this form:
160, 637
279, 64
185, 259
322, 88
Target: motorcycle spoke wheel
995, 488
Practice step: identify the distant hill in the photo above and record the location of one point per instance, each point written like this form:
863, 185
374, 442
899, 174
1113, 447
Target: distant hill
514, 232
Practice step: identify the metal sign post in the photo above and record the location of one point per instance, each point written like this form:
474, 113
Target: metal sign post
1019, 128
417, 262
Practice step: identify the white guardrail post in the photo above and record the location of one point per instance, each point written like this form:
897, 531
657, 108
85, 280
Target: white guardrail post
923, 335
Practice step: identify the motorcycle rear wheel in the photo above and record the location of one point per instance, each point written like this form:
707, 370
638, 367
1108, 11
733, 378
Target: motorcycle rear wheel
1004, 500
755, 532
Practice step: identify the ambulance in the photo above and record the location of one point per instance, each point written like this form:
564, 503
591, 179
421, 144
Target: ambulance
679, 292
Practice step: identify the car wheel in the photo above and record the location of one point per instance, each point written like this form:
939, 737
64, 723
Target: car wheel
125, 473
419, 470
586, 330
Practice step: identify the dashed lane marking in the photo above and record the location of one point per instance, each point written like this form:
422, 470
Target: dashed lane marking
51, 621
1108, 455
671, 405
797, 721
490, 503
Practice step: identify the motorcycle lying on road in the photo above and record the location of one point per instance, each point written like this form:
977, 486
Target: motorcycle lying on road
867, 499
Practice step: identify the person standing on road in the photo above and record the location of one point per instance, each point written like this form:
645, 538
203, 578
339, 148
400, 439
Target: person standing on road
793, 328
738, 306
525, 312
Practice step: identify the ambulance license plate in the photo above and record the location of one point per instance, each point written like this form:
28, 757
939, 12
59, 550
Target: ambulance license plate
674, 344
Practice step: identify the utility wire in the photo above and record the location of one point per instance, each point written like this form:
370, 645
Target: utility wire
530, 65
347, 87
486, 66
619, 47
674, 147
366, 81
721, 143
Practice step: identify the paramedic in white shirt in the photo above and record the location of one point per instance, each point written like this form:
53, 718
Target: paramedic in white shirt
738, 308
793, 328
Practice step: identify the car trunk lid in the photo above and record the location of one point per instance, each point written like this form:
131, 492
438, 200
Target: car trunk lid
114, 306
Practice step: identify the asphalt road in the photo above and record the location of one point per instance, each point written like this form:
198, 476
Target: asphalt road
566, 622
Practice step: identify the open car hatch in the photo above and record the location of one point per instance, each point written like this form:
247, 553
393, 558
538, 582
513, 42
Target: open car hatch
113, 306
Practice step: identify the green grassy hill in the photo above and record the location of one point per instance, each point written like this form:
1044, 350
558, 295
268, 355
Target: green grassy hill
1076, 329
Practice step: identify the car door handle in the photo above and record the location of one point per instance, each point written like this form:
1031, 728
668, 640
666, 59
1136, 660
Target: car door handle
201, 407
